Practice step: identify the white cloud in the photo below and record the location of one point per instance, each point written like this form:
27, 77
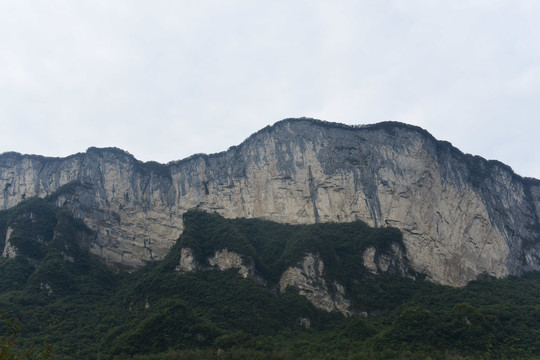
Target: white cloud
166, 79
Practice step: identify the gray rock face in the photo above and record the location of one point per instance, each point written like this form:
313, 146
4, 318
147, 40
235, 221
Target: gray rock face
394, 262
225, 259
308, 278
222, 260
461, 216
187, 261
10, 251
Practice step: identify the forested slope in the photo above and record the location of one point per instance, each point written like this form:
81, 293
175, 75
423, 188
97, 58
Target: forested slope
69, 299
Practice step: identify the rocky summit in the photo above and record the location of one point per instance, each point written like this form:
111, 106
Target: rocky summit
461, 216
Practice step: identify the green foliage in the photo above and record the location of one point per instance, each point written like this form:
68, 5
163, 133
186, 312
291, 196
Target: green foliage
275, 247
15, 273
465, 327
71, 300
170, 324
8, 350
153, 167
30, 231
414, 325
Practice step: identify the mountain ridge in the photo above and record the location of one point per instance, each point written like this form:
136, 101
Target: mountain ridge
462, 216
378, 125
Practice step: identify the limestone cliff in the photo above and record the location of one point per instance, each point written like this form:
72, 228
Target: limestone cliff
308, 278
461, 216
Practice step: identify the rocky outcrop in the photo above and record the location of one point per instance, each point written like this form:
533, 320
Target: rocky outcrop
461, 216
308, 278
222, 260
393, 261
10, 251
187, 261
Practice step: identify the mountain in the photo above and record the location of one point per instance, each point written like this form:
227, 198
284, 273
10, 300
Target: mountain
462, 217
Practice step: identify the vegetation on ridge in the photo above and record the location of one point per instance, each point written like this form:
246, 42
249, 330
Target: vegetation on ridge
274, 247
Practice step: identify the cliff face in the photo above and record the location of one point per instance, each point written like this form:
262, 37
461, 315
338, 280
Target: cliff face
461, 216
308, 278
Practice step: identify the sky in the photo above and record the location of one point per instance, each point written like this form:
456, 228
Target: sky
167, 79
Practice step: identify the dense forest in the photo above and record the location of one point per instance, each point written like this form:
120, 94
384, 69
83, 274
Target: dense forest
60, 302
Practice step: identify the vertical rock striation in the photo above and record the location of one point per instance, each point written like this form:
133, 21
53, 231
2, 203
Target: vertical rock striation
461, 216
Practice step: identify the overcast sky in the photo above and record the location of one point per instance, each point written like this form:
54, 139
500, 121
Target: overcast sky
167, 79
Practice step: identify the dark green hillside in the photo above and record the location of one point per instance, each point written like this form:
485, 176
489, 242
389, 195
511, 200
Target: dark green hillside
67, 298
275, 247
53, 285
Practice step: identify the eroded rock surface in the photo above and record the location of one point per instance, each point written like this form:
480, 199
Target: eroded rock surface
308, 278
187, 261
393, 261
10, 251
222, 260
461, 216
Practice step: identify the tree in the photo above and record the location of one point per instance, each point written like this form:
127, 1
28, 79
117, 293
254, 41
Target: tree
9, 350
